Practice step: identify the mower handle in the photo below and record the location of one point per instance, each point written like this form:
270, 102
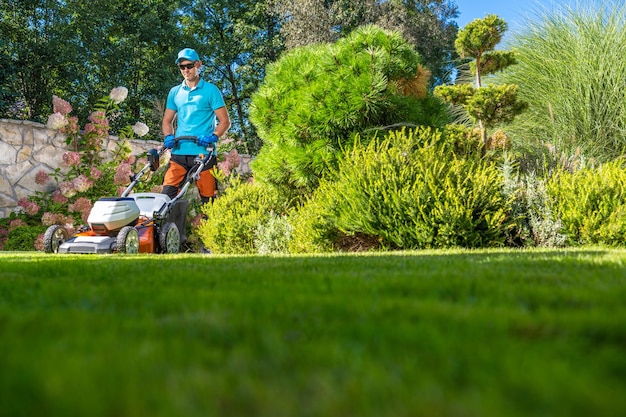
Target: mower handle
190, 138
153, 156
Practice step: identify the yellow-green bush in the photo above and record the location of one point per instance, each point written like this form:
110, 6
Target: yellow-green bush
591, 203
313, 225
410, 190
233, 218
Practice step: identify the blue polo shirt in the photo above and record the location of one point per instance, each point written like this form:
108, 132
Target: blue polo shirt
196, 113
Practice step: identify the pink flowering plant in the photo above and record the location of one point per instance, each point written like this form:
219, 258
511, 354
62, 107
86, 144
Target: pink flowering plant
87, 173
228, 161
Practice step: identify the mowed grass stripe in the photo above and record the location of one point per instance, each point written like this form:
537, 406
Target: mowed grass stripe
467, 333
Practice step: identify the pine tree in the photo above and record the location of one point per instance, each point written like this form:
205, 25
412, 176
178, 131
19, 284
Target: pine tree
317, 97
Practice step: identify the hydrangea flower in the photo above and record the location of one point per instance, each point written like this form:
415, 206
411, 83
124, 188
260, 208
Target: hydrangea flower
56, 121
71, 127
48, 219
30, 207
140, 129
60, 106
95, 173
230, 162
42, 177
122, 174
83, 206
15, 223
82, 183
58, 198
118, 94
71, 159
99, 124
67, 189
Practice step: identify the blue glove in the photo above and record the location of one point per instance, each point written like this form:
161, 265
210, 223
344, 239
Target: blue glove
205, 140
169, 141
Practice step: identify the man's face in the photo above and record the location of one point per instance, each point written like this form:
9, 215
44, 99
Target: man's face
188, 69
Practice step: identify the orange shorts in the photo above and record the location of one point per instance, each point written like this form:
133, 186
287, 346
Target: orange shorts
177, 172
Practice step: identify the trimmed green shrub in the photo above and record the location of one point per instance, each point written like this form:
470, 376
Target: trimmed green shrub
410, 190
591, 203
233, 218
23, 238
313, 223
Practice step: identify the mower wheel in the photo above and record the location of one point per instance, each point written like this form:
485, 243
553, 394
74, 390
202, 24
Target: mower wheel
128, 240
52, 239
169, 238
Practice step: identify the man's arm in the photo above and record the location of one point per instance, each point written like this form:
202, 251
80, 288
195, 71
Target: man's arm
224, 121
167, 125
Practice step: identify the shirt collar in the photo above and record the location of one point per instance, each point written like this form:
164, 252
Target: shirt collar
198, 86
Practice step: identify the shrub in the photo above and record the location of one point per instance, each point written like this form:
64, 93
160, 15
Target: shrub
410, 190
313, 224
534, 224
315, 98
591, 203
23, 238
273, 236
232, 219
85, 177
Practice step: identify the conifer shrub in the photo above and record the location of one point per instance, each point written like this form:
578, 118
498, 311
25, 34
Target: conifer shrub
316, 98
233, 218
591, 203
410, 190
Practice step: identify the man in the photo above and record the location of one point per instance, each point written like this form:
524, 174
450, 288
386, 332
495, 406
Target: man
198, 108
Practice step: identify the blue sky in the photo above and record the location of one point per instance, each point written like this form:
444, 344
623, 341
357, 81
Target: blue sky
514, 12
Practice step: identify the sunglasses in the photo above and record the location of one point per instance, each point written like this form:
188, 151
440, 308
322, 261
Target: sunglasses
186, 66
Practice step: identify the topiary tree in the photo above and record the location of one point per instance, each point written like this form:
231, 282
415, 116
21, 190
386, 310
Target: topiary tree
487, 105
315, 98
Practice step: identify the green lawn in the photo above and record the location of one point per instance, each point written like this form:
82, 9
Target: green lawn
454, 333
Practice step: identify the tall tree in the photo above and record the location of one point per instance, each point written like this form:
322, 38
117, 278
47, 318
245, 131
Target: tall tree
427, 24
33, 53
132, 45
56, 47
236, 40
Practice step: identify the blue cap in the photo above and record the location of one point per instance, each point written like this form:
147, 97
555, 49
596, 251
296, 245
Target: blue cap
188, 54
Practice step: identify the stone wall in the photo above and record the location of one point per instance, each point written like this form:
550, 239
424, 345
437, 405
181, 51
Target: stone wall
28, 147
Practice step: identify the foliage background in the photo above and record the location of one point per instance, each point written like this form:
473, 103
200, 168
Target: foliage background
79, 49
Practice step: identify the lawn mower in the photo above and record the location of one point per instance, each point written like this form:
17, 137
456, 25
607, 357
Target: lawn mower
133, 223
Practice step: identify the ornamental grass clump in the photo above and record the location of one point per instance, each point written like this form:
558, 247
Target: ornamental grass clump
571, 70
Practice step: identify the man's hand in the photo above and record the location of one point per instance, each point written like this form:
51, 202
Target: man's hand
169, 141
205, 140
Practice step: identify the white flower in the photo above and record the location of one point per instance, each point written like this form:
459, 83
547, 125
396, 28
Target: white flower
118, 94
140, 129
56, 121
